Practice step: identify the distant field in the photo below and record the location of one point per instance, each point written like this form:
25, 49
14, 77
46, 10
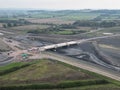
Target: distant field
68, 15
24, 29
90, 35
30, 27
70, 31
49, 20
63, 19
80, 16
111, 17
114, 30
104, 32
65, 32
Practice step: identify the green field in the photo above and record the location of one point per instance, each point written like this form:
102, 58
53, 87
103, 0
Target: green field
26, 28
29, 27
69, 32
66, 32
80, 16
51, 74
67, 15
114, 30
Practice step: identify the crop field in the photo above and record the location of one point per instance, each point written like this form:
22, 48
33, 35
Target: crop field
113, 30
65, 32
25, 28
30, 27
103, 32
50, 21
91, 35
70, 31
80, 16
70, 15
110, 17
63, 19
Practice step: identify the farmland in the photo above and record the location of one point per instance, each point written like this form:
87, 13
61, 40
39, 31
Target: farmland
80, 16
49, 20
24, 29
68, 15
30, 27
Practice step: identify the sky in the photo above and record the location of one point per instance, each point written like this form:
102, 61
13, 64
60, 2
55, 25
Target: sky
60, 4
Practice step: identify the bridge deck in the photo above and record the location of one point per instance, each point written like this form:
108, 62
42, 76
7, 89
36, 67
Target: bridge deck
72, 42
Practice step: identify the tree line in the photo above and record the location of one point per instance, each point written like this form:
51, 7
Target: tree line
13, 23
90, 23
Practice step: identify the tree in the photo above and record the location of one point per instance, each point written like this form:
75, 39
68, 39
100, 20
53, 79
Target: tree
14, 24
9, 24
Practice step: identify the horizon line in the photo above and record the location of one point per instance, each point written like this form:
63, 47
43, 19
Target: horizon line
54, 9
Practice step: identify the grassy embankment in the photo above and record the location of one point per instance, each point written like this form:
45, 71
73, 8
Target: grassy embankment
50, 74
